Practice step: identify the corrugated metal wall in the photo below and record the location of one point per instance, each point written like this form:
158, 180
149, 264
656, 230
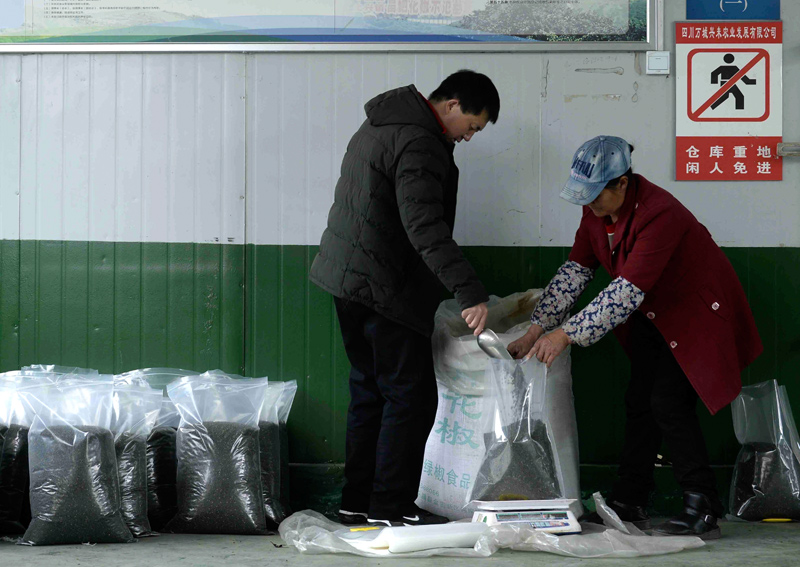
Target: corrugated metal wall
123, 148
180, 148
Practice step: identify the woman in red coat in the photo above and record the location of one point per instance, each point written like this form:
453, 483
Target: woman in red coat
678, 309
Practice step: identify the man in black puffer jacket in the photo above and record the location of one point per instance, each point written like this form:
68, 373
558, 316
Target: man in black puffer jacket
384, 256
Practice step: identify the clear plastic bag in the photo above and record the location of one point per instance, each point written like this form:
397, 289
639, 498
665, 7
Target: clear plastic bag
459, 362
766, 476
15, 422
219, 472
74, 483
162, 464
136, 407
274, 446
60, 369
311, 533
520, 461
288, 391
159, 377
14, 477
615, 539
269, 437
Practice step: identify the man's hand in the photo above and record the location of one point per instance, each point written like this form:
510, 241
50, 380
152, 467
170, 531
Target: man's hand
476, 317
524, 344
548, 347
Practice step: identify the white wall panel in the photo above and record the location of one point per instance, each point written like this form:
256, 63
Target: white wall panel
156, 89
77, 117
499, 188
50, 205
29, 112
294, 121
104, 160
10, 122
232, 189
126, 147
264, 140
128, 217
208, 147
183, 132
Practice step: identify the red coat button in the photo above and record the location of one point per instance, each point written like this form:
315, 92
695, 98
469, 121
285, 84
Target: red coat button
715, 306
673, 344
651, 315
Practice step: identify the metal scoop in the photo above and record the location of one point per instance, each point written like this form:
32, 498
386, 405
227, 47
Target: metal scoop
491, 344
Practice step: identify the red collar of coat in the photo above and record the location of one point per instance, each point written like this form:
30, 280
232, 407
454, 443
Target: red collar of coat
626, 213
435, 114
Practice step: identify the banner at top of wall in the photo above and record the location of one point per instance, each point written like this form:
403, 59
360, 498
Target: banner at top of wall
322, 21
733, 9
728, 101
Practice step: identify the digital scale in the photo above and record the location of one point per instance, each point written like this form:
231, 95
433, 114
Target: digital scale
551, 516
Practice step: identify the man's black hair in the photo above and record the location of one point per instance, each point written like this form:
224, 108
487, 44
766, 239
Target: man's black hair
474, 92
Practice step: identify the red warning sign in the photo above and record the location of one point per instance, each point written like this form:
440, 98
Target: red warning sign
728, 101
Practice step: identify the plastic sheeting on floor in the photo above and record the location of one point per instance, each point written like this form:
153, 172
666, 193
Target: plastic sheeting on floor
310, 532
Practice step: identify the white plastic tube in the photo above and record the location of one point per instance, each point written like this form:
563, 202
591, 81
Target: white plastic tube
418, 538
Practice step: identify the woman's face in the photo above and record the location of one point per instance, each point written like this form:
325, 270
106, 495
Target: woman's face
609, 202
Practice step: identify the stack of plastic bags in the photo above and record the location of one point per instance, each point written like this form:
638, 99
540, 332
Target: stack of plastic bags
90, 458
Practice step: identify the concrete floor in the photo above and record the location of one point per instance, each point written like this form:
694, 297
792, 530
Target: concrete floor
741, 544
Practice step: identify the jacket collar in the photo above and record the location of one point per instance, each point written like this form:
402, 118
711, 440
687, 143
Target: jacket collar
435, 114
628, 207
404, 106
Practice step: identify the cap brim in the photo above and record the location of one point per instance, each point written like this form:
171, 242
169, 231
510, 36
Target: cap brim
580, 193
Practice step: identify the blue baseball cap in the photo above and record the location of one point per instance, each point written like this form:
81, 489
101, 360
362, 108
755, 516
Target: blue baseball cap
596, 162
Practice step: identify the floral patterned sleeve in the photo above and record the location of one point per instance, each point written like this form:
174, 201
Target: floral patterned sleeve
561, 294
610, 308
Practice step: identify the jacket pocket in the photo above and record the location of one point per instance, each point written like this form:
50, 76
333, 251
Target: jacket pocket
714, 303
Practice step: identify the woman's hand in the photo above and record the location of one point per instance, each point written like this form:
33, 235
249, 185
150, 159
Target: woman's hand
524, 344
475, 317
548, 347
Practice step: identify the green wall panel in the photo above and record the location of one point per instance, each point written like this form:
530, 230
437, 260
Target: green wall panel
120, 306
251, 310
292, 334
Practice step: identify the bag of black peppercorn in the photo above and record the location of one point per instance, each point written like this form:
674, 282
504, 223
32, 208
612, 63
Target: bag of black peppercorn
74, 483
15, 422
162, 464
219, 469
136, 407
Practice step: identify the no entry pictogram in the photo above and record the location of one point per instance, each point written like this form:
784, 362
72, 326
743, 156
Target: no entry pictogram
730, 85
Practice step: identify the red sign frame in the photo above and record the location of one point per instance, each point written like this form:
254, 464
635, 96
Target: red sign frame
695, 115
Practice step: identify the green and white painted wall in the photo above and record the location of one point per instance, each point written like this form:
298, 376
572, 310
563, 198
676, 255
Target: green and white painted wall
163, 210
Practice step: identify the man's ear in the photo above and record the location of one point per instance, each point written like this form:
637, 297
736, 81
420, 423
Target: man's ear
623, 183
451, 104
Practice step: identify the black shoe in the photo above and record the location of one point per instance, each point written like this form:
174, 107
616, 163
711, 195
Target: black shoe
352, 518
699, 518
636, 515
415, 517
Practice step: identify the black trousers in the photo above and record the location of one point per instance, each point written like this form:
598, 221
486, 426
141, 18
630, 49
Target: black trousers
393, 400
660, 404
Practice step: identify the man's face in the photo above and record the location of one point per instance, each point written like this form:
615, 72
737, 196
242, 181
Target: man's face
462, 126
